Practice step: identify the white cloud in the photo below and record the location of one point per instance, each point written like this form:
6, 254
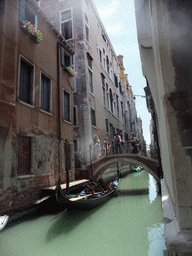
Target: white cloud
108, 10
114, 29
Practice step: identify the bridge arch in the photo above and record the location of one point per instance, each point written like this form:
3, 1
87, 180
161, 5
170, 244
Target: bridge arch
149, 164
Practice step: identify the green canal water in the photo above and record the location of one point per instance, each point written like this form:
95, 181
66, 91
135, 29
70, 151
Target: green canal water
130, 224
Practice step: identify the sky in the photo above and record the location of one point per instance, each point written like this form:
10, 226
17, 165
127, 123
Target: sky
118, 17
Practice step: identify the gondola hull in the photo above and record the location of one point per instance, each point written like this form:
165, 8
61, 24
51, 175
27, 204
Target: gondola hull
82, 203
3, 221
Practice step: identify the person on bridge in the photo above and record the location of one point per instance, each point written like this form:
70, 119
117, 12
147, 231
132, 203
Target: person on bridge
105, 146
134, 143
97, 149
117, 141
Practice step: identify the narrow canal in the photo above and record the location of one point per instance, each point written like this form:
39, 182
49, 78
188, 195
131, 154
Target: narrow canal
130, 224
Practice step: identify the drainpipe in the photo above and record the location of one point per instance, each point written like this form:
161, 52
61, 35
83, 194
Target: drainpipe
59, 112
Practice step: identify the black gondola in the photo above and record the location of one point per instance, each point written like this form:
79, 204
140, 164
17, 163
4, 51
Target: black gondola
88, 201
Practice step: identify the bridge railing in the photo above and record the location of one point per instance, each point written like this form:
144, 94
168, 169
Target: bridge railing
97, 151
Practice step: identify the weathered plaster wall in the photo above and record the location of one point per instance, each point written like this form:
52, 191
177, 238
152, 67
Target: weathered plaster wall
20, 118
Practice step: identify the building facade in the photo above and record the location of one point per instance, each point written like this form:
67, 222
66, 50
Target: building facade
164, 36
36, 101
102, 105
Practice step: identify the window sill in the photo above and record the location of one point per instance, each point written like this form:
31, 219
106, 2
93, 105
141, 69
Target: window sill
68, 122
45, 112
25, 177
91, 94
26, 104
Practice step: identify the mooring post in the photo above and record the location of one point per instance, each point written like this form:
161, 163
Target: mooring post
91, 166
67, 161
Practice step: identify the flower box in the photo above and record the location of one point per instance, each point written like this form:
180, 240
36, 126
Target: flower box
32, 32
70, 71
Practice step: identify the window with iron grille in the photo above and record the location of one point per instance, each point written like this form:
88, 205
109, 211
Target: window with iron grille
93, 118
24, 155
66, 106
66, 24
26, 82
45, 93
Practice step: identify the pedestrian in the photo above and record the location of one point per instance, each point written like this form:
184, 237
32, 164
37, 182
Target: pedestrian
122, 142
134, 142
105, 146
117, 141
97, 149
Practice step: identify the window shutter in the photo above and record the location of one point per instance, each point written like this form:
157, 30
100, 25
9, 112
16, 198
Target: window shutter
21, 10
62, 56
36, 22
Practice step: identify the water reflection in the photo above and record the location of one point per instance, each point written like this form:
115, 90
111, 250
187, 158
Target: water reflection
66, 222
131, 223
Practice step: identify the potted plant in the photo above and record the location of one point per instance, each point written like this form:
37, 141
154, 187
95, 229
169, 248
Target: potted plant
30, 29
71, 71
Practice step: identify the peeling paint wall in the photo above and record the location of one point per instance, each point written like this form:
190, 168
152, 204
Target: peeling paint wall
20, 119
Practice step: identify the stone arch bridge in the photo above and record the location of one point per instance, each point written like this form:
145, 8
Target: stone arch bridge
151, 165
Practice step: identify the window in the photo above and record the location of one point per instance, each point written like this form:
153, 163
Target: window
75, 115
122, 109
100, 55
104, 91
116, 80
75, 142
26, 82
107, 91
1, 6
90, 73
24, 155
45, 93
66, 24
93, 118
66, 106
107, 125
104, 97
26, 14
90, 81
86, 28
65, 59
104, 58
111, 100
107, 62
117, 101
